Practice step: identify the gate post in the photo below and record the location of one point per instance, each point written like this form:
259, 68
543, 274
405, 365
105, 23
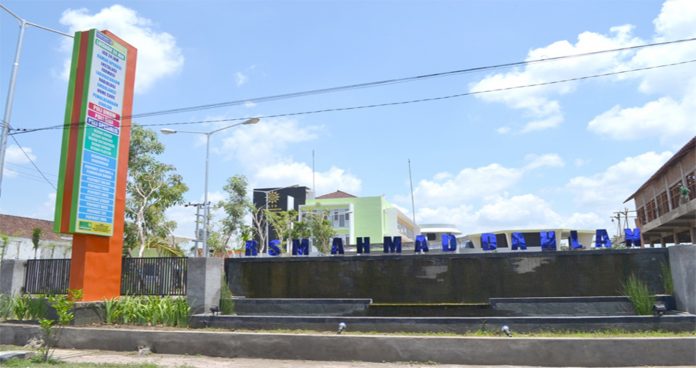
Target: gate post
12, 275
203, 283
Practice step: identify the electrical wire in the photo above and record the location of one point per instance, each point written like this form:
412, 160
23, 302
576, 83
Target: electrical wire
395, 80
393, 103
33, 163
401, 80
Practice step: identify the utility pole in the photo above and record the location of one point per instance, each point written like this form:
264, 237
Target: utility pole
198, 221
5, 128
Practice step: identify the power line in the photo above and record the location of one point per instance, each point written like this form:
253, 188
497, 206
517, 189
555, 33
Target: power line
401, 80
33, 163
393, 103
393, 81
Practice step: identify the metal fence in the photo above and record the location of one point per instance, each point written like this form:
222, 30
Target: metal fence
47, 276
154, 276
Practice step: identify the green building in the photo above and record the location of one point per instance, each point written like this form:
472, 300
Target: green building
354, 217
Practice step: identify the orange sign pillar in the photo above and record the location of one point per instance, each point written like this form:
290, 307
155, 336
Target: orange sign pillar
87, 191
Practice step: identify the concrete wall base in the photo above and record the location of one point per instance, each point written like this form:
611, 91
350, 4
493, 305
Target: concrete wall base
551, 352
682, 262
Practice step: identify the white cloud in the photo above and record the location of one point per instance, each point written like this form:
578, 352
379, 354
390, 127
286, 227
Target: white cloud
289, 173
487, 198
240, 79
669, 117
158, 54
265, 142
539, 103
14, 155
503, 130
664, 118
605, 191
469, 183
547, 160
47, 208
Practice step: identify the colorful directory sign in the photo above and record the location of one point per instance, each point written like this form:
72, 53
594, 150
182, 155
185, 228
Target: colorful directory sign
90, 156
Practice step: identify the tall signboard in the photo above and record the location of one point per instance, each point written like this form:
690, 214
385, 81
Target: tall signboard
90, 203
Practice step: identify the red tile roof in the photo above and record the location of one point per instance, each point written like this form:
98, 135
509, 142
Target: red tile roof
22, 227
336, 194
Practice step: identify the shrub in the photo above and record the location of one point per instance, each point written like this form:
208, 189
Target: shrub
637, 291
147, 311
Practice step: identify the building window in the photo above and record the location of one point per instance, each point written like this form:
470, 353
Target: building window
431, 236
675, 194
662, 206
691, 184
651, 210
641, 215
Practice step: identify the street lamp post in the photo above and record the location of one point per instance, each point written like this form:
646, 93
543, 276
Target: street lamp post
265, 216
206, 208
5, 131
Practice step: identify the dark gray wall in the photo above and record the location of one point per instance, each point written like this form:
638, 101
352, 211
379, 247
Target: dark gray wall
682, 260
446, 277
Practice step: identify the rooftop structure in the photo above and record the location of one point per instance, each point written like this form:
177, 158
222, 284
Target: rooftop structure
666, 203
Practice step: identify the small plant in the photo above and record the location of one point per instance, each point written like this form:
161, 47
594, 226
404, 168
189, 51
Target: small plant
20, 306
111, 311
667, 282
51, 329
637, 291
147, 310
6, 307
226, 302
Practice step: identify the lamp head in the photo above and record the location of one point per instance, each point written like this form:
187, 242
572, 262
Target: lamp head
167, 131
251, 121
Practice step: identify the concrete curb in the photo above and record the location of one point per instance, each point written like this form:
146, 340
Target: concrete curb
553, 352
675, 323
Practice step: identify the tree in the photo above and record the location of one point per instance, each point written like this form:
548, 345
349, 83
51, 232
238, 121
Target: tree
321, 229
4, 243
35, 239
258, 226
282, 222
153, 187
236, 206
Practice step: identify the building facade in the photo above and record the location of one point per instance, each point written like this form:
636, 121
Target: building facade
354, 217
19, 245
666, 203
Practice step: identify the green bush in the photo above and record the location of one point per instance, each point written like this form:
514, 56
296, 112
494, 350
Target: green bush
147, 311
641, 298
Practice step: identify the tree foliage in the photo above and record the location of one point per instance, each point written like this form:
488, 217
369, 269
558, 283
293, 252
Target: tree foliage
235, 205
282, 223
153, 187
320, 228
4, 243
36, 239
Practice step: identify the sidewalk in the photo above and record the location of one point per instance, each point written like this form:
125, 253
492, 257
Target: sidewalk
188, 361
168, 360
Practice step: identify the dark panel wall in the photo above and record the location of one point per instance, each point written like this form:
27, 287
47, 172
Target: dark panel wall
446, 277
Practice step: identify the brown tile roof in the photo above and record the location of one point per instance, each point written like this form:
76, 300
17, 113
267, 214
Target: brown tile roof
22, 227
336, 194
689, 148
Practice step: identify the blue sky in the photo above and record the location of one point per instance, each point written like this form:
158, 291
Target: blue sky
562, 155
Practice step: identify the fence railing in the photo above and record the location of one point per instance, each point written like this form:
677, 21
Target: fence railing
154, 276
47, 276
